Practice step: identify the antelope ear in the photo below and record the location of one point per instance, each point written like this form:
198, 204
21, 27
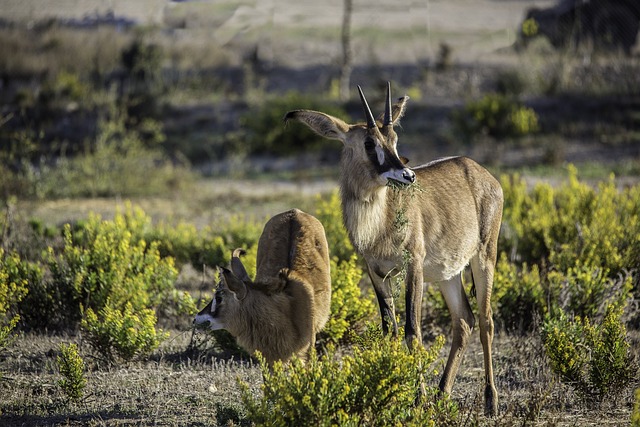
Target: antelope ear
237, 267
235, 285
398, 109
323, 124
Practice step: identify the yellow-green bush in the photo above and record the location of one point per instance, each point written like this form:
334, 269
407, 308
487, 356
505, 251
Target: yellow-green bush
211, 246
495, 115
118, 163
350, 309
185, 243
378, 385
15, 276
518, 294
586, 238
14, 282
329, 213
112, 267
71, 367
107, 260
598, 226
122, 333
585, 290
593, 358
264, 132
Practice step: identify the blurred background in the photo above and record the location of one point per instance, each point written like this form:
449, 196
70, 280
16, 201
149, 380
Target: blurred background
121, 98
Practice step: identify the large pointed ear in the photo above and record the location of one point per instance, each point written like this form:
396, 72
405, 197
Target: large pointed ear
231, 282
397, 111
323, 124
237, 267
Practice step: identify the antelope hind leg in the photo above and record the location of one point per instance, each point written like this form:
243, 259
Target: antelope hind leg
483, 278
463, 322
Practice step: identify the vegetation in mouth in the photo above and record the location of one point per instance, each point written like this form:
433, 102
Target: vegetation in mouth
404, 193
394, 184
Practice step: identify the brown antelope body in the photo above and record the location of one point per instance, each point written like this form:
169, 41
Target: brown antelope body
280, 313
431, 223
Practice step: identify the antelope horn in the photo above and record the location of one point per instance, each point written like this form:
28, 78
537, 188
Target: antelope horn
371, 122
237, 267
387, 107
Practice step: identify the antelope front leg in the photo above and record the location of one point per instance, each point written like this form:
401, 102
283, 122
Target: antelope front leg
462, 324
384, 294
415, 282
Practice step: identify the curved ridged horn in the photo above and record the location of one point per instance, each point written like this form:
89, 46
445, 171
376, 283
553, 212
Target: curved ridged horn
371, 122
387, 107
237, 267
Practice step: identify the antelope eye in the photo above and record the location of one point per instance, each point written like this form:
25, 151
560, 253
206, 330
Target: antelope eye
218, 298
369, 144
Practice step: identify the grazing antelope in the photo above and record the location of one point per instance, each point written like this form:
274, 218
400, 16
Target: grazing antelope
427, 223
280, 312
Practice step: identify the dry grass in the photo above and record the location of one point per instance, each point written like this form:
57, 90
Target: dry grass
180, 387
184, 385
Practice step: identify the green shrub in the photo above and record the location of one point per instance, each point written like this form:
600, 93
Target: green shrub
71, 367
117, 163
107, 260
575, 230
379, 385
518, 295
122, 333
584, 240
187, 244
495, 115
349, 308
6, 330
209, 246
15, 276
594, 359
584, 290
14, 282
65, 86
266, 133
599, 226
329, 213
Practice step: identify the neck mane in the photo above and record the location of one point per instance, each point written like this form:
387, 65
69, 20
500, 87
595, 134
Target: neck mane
364, 213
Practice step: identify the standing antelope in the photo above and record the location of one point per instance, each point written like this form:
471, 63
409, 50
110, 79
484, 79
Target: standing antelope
451, 221
289, 302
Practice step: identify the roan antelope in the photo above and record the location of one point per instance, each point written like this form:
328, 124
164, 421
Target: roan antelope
427, 223
289, 302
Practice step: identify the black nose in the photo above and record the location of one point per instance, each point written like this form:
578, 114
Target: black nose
409, 175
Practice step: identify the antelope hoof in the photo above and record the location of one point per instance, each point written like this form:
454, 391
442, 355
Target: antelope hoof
490, 401
412, 340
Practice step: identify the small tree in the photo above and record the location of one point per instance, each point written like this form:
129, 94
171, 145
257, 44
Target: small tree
71, 367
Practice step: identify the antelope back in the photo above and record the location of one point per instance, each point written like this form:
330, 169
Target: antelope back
293, 240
